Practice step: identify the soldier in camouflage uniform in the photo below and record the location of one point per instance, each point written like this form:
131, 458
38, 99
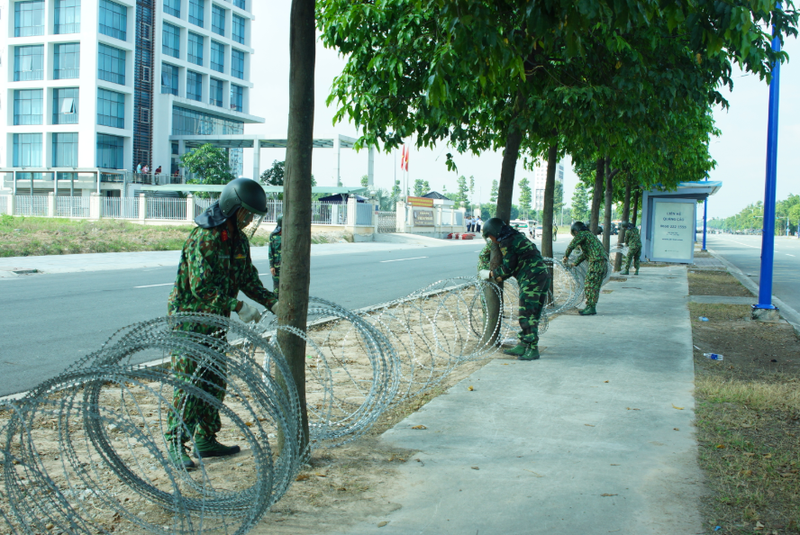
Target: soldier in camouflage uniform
634, 241
275, 254
522, 260
215, 265
593, 251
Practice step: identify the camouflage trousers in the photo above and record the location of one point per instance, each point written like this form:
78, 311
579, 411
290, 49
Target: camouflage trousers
193, 415
533, 292
633, 255
594, 280
275, 280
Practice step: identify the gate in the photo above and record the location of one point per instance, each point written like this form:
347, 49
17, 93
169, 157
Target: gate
387, 222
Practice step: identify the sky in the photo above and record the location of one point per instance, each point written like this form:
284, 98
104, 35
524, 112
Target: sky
740, 151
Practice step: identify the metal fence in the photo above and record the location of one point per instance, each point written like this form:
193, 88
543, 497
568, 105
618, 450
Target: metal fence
202, 203
387, 221
4, 204
158, 208
30, 205
119, 207
72, 207
364, 213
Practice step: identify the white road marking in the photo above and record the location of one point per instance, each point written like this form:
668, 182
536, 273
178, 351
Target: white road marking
787, 254
154, 285
403, 259
746, 245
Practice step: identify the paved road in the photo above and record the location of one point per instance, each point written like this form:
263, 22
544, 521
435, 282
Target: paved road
50, 320
744, 252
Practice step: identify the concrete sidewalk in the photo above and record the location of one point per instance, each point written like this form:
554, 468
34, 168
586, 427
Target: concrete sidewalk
596, 437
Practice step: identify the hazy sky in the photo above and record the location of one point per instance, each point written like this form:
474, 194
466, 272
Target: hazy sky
740, 151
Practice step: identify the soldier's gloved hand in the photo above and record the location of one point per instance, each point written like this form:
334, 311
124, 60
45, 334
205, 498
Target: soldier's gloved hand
274, 308
484, 274
249, 313
565, 262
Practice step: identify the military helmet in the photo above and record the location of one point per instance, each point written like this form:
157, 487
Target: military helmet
577, 226
492, 227
243, 192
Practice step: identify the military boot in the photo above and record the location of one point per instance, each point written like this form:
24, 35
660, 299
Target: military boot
518, 350
588, 311
209, 447
531, 354
179, 457
626, 272
636, 272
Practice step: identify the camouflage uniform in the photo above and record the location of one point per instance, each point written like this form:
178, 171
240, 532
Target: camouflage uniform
523, 261
275, 259
634, 241
214, 267
593, 251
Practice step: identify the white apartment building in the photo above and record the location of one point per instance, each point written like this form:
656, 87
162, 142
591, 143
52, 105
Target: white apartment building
540, 179
91, 89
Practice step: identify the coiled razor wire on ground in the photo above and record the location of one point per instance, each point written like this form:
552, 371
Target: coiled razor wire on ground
85, 451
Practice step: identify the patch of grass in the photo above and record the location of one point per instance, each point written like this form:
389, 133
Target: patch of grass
718, 312
753, 395
715, 283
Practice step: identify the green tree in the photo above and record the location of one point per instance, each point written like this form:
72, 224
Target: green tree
208, 165
461, 198
580, 203
396, 190
364, 181
493, 192
426, 187
275, 175
525, 197
419, 188
558, 199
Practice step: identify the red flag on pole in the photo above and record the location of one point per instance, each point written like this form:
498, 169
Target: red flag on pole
405, 158
402, 157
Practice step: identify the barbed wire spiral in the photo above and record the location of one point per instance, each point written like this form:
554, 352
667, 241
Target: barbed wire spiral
85, 452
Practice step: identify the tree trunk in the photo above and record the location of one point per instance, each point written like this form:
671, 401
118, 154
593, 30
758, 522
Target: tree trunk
597, 192
295, 266
635, 205
609, 194
547, 210
506, 187
626, 212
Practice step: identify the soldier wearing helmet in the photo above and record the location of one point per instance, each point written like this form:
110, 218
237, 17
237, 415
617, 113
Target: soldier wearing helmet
215, 265
634, 241
593, 251
523, 261
275, 254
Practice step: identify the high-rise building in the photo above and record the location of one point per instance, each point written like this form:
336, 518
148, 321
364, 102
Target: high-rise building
540, 179
102, 86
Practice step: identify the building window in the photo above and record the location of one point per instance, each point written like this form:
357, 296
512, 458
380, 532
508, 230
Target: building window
218, 20
65, 150
197, 10
216, 92
29, 18
28, 106
110, 151
169, 79
110, 108
237, 29
172, 7
171, 41
65, 105
194, 49
113, 19
111, 64
237, 97
217, 56
67, 61
28, 63
239, 3
27, 150
237, 64
67, 16
194, 85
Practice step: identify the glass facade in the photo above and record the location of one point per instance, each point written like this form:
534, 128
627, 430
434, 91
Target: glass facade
65, 150
218, 20
239, 3
111, 64
194, 49
215, 96
67, 16
28, 63
217, 56
110, 108
169, 79
113, 19
191, 123
67, 61
237, 29
29, 18
27, 150
172, 7
237, 97
194, 85
197, 10
110, 153
65, 105
28, 106
237, 63
171, 41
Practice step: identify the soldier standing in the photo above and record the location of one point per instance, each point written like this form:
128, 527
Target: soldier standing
634, 241
215, 265
593, 251
275, 254
522, 260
